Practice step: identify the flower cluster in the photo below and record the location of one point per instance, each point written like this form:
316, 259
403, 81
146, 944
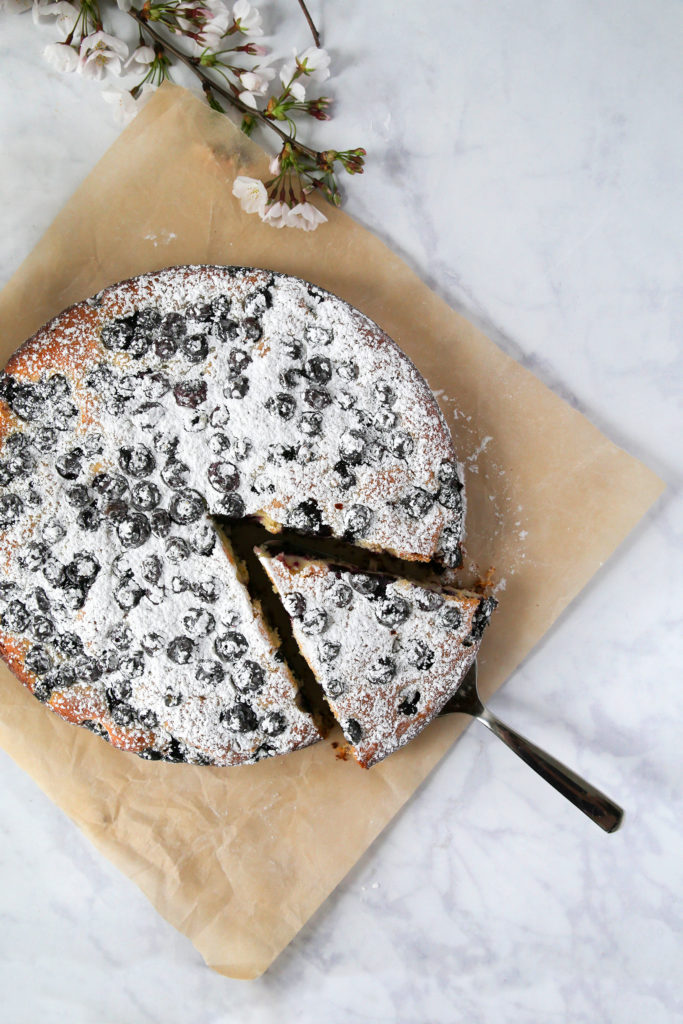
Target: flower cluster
213, 40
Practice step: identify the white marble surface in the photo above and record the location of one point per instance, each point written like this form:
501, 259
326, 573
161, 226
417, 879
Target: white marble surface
526, 159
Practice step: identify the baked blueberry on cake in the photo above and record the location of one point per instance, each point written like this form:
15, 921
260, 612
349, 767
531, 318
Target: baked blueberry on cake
389, 653
134, 420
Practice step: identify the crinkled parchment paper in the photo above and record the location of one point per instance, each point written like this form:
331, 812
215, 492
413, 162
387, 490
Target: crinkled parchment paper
239, 858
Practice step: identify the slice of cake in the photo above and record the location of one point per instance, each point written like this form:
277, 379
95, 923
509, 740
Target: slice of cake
389, 653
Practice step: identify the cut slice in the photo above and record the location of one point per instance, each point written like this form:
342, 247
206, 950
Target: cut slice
388, 653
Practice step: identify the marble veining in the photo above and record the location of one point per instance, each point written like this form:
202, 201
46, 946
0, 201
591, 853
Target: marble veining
525, 159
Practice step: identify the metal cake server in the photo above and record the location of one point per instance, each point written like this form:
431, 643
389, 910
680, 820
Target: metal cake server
598, 807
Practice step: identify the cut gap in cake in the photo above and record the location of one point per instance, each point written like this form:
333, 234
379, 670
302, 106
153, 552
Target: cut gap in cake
389, 652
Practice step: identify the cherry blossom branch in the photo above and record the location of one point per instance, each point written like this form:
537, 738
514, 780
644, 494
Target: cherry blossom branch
311, 25
195, 65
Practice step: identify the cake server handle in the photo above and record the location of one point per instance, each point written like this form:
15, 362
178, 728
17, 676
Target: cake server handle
588, 798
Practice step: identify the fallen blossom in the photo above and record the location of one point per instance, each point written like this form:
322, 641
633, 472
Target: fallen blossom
61, 56
124, 105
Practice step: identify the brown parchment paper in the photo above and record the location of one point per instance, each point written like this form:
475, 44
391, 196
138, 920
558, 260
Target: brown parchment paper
239, 858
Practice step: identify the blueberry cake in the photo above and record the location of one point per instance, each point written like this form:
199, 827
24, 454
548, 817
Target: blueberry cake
135, 421
389, 653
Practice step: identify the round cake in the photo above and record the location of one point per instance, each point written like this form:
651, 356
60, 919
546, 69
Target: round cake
129, 426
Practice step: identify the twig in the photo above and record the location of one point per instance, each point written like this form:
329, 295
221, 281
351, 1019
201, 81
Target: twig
194, 65
311, 25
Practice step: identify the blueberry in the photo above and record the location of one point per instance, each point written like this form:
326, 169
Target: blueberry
175, 753
117, 335
152, 643
392, 610
220, 416
164, 443
69, 644
448, 473
273, 723
69, 464
196, 348
335, 688
352, 730
85, 669
292, 348
227, 329
385, 419
282, 404
210, 672
145, 496
44, 687
62, 415
223, 476
42, 627
240, 718
15, 616
54, 572
401, 444
257, 302
329, 651
180, 650
177, 550
341, 594
241, 448
65, 675
480, 620
358, 520
318, 369
427, 600
219, 443
45, 439
74, 597
352, 445
147, 323
251, 329
34, 555
305, 517
317, 398
20, 463
160, 522
348, 370
419, 654
236, 388
382, 670
238, 361
314, 621
123, 714
311, 423
83, 568
11, 507
409, 698
290, 377
151, 569
450, 617
417, 502
295, 604
38, 661
175, 473
345, 400
149, 720
138, 460
366, 585
317, 335
231, 646
385, 393
128, 594
190, 393
207, 590
203, 539
172, 332
449, 495
250, 677
199, 622
187, 506
134, 530
111, 485
78, 496
121, 636
117, 511
218, 307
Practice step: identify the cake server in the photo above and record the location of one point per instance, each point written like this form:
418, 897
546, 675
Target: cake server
598, 807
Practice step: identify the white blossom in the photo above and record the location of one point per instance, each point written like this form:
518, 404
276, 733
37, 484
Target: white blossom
99, 52
124, 105
277, 215
65, 14
247, 18
306, 216
15, 6
274, 165
141, 58
61, 56
251, 193
316, 66
255, 84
